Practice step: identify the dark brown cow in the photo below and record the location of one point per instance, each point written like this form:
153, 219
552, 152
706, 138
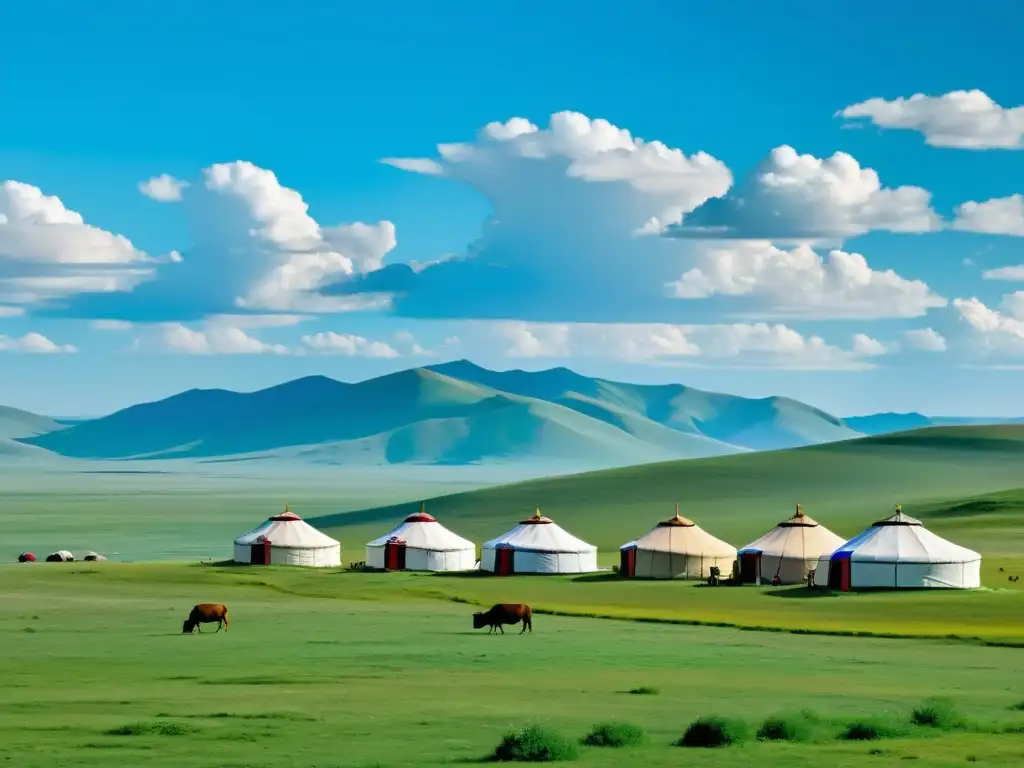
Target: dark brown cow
504, 613
206, 613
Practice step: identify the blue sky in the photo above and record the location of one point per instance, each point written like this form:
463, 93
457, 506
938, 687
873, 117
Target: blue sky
705, 260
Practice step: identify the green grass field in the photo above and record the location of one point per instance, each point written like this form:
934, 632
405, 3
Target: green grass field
344, 669
334, 668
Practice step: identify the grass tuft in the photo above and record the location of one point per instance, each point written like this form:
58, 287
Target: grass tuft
535, 744
870, 729
937, 713
787, 727
644, 690
154, 728
614, 735
713, 732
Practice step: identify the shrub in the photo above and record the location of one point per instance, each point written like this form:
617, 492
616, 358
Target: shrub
785, 728
155, 728
936, 713
714, 732
644, 690
1019, 706
614, 735
535, 744
869, 730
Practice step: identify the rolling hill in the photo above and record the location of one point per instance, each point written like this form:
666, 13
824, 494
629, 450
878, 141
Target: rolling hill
457, 413
938, 473
16, 424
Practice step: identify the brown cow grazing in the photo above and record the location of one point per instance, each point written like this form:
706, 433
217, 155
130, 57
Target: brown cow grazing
206, 613
504, 613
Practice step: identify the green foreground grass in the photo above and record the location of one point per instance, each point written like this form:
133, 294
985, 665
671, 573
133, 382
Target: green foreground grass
346, 669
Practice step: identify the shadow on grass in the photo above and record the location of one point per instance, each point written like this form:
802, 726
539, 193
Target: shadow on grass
801, 593
597, 578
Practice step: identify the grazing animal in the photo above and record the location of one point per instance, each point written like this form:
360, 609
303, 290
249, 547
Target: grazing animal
206, 613
504, 613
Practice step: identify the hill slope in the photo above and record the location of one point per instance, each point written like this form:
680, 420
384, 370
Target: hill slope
415, 416
755, 424
15, 423
846, 486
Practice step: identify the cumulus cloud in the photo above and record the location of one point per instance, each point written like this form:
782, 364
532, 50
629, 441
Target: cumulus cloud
925, 339
801, 197
1011, 274
348, 344
959, 119
11, 311
995, 331
570, 203
798, 282
254, 249
163, 188
735, 345
48, 252
999, 216
34, 344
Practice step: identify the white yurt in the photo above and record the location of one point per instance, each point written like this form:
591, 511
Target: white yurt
421, 543
287, 539
899, 553
60, 556
676, 548
788, 552
538, 545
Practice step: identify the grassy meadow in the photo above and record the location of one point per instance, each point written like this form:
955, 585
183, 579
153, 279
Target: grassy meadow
338, 668
345, 669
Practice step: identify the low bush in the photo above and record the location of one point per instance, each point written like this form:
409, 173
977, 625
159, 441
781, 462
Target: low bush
714, 732
936, 713
535, 744
869, 730
614, 735
1019, 706
788, 727
155, 728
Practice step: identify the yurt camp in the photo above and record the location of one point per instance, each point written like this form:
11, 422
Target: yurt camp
676, 548
421, 543
538, 545
788, 552
287, 539
899, 553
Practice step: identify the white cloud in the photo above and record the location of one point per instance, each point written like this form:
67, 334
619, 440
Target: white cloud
348, 344
11, 311
994, 331
254, 249
48, 252
214, 339
925, 339
163, 188
999, 216
667, 182
798, 282
960, 119
758, 345
801, 197
1010, 274
34, 344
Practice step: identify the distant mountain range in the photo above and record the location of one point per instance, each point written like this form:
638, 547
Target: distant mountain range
456, 413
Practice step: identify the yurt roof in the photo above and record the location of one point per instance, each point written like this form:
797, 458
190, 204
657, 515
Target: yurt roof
289, 531
799, 536
683, 536
540, 534
422, 531
902, 539
799, 519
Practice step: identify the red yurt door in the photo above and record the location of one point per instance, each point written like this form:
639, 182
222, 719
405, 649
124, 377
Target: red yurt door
627, 562
504, 561
394, 556
259, 552
750, 567
839, 573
